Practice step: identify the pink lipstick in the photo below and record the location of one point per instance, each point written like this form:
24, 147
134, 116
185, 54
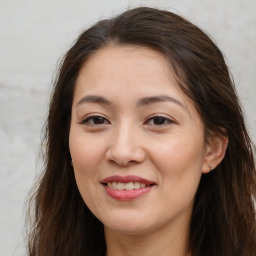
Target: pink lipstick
126, 188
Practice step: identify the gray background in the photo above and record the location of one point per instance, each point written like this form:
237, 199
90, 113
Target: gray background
35, 34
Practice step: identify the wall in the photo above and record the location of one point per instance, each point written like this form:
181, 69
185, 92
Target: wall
35, 34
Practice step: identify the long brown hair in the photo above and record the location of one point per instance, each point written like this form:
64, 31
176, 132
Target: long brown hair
223, 219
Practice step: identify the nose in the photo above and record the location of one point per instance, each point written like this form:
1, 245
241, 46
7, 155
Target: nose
125, 147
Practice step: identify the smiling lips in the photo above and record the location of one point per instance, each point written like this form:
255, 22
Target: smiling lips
126, 188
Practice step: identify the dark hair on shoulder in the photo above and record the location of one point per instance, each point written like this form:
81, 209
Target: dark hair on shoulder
223, 218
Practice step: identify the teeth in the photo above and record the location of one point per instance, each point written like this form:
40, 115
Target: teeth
137, 185
129, 186
110, 185
120, 186
126, 186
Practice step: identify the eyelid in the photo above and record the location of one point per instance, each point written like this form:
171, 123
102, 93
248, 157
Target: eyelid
168, 119
87, 118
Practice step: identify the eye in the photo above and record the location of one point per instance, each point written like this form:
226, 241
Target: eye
159, 120
95, 120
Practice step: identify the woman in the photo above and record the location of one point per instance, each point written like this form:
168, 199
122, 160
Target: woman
147, 152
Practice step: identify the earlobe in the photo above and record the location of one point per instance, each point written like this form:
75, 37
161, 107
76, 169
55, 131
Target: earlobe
215, 152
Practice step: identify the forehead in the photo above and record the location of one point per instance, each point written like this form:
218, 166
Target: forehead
126, 65
135, 52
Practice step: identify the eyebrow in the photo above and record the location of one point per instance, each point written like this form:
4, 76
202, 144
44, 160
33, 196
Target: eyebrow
143, 101
93, 99
157, 99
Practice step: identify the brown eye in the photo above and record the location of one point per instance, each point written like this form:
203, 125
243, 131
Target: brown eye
95, 120
159, 120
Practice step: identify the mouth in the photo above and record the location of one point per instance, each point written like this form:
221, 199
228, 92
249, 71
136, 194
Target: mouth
127, 187
129, 182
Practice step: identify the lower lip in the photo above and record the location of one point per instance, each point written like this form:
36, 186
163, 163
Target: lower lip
126, 195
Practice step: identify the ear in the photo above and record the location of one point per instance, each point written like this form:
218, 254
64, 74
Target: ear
215, 152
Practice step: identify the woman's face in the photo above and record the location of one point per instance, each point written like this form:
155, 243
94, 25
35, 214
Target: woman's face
136, 141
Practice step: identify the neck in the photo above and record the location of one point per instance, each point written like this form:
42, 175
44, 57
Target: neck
161, 243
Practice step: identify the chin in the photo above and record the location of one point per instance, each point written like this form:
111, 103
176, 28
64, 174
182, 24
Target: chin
128, 229
128, 224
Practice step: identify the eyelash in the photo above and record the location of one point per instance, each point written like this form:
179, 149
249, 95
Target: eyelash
93, 118
159, 117
163, 120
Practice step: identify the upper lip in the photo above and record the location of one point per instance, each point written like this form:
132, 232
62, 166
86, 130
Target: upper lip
126, 179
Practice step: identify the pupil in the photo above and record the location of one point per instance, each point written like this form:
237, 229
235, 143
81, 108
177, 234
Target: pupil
159, 120
98, 120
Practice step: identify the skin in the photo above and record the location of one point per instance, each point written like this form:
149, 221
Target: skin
125, 138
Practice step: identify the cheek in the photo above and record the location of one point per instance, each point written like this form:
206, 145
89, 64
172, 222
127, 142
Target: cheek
179, 153
86, 153
180, 163
180, 174
86, 157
